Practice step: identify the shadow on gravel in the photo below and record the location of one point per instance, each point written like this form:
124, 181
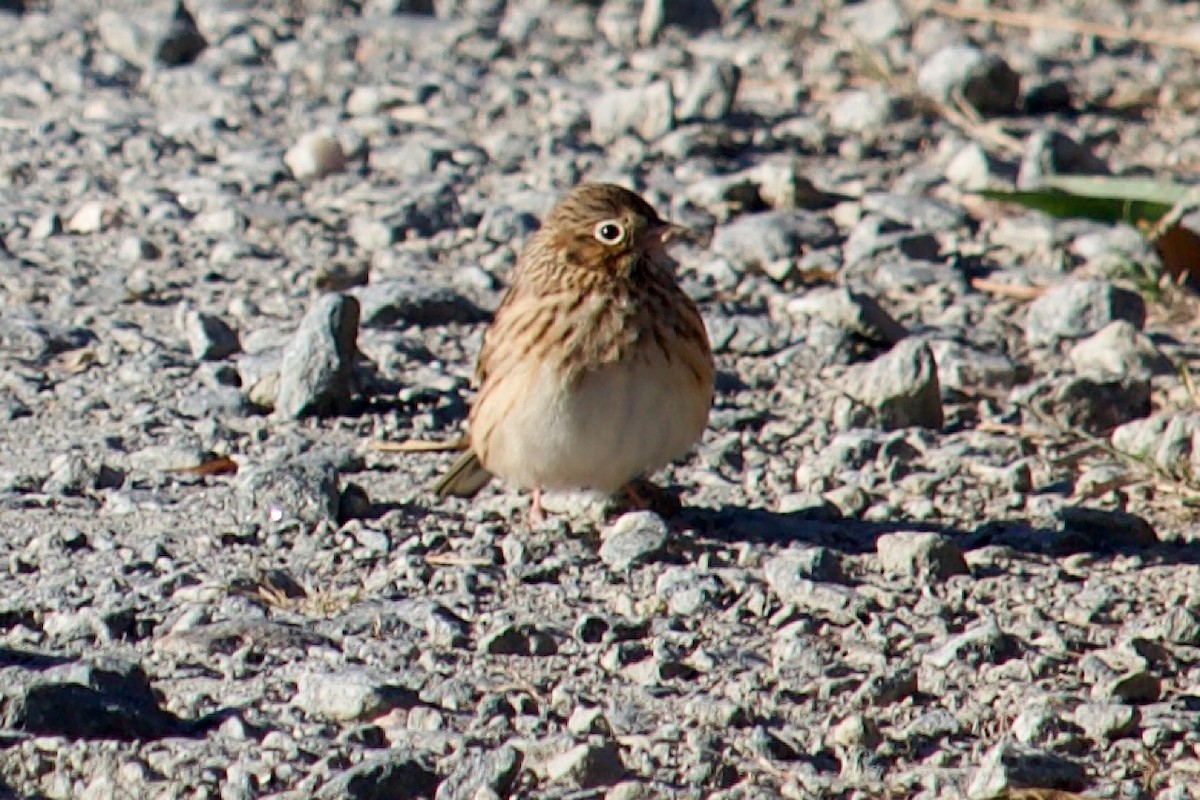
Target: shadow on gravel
1078, 530
103, 698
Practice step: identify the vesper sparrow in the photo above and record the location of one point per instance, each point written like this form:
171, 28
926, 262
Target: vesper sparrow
596, 368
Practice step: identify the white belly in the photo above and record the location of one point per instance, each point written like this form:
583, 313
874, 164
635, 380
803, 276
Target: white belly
620, 422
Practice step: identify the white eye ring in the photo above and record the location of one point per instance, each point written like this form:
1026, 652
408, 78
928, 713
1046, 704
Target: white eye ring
609, 232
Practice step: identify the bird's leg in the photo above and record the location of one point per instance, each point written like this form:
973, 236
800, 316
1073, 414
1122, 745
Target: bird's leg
637, 500
537, 514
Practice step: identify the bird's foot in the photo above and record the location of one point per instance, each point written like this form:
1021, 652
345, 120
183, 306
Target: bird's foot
537, 514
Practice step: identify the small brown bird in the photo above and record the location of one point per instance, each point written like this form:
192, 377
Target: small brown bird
597, 367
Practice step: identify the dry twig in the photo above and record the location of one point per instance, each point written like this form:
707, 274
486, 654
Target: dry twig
1032, 21
1012, 290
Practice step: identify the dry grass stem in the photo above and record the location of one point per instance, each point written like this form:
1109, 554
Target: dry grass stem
1032, 21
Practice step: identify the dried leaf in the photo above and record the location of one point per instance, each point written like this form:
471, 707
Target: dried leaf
1179, 249
217, 466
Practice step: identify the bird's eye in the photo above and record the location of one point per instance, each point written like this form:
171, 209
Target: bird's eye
609, 232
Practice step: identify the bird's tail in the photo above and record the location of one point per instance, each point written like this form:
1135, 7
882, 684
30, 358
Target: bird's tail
465, 477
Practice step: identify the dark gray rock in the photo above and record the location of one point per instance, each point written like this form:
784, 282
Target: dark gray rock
982, 643
923, 557
314, 373
302, 490
1050, 152
395, 775
596, 762
854, 312
160, 33
985, 80
210, 338
1097, 406
1078, 308
482, 771
899, 388
693, 16
518, 640
1008, 766
802, 563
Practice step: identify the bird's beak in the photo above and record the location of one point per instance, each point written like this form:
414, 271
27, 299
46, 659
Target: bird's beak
670, 233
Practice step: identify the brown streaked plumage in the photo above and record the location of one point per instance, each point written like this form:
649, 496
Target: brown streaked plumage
596, 368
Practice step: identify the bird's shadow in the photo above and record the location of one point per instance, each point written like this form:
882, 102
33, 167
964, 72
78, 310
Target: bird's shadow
1101, 533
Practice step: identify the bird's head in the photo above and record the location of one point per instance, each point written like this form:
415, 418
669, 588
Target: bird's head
600, 226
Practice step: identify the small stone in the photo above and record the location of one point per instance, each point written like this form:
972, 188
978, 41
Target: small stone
963, 368
1078, 308
1050, 152
314, 373
855, 731
857, 313
597, 762
1103, 722
165, 458
480, 772
687, 590
209, 337
45, 226
91, 217
753, 240
301, 490
694, 16
648, 111
159, 33
395, 775
635, 537
517, 640
982, 643
1116, 350
1009, 766
875, 21
1104, 530
588, 719
924, 557
372, 234
984, 80
314, 156
1179, 626
1137, 687
970, 169
799, 563
900, 387
135, 249
861, 111
348, 695
710, 92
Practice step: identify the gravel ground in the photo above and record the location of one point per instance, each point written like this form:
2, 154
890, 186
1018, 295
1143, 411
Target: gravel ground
937, 542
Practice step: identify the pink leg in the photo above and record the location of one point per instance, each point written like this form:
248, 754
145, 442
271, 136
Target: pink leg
537, 514
636, 499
